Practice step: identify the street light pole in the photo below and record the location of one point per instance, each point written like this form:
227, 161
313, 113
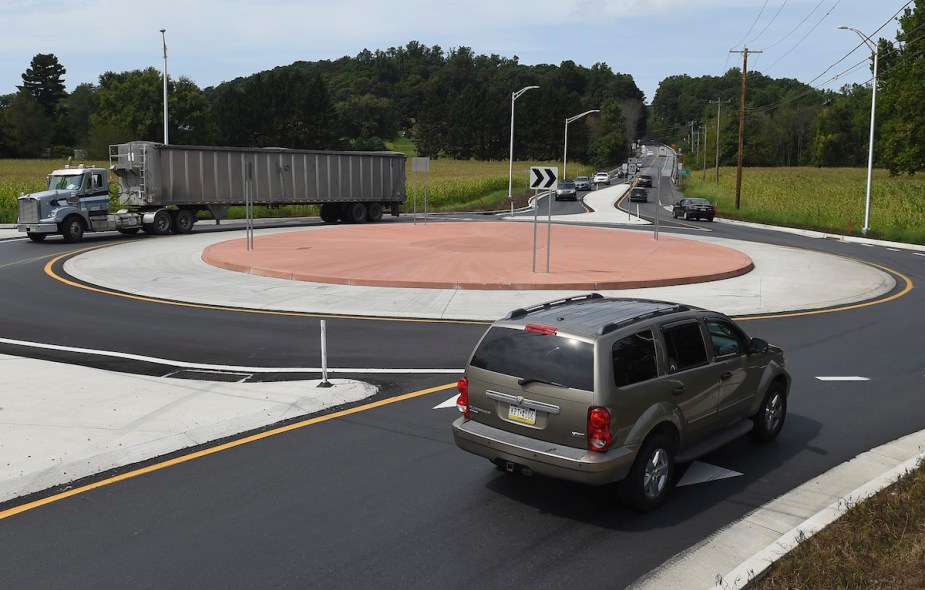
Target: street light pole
510, 176
873, 109
164, 39
565, 149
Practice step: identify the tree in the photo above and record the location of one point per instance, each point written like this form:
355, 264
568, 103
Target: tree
901, 104
43, 80
612, 147
133, 103
30, 130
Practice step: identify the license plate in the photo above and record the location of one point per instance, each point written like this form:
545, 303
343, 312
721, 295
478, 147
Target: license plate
522, 414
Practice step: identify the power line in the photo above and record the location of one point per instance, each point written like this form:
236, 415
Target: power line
773, 18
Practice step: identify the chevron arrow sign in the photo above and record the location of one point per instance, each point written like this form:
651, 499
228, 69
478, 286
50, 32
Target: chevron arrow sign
543, 178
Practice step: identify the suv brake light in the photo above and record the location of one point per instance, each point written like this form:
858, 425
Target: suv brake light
599, 438
462, 402
541, 329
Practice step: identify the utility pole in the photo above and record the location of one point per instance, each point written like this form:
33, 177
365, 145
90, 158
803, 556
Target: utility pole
719, 103
744, 53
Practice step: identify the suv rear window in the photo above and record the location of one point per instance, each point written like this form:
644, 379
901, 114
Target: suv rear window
531, 355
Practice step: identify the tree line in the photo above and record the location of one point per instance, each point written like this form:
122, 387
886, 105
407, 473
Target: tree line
789, 123
457, 104
453, 104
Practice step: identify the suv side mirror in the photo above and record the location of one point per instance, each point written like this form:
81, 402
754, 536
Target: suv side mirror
758, 346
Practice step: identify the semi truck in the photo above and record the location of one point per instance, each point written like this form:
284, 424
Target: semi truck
162, 188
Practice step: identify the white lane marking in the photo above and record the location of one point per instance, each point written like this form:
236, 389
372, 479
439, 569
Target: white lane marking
186, 365
700, 472
919, 253
893, 249
450, 403
868, 245
843, 378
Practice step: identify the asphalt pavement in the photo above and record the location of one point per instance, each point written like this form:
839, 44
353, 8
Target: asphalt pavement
62, 422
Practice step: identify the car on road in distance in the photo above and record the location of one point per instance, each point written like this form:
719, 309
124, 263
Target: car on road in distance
566, 190
582, 183
644, 180
602, 178
637, 193
607, 391
694, 208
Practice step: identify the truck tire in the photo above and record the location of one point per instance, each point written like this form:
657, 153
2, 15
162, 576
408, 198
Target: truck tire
374, 212
72, 228
36, 237
356, 212
330, 213
161, 225
183, 221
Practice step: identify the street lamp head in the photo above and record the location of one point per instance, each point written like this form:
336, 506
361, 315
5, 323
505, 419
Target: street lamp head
163, 31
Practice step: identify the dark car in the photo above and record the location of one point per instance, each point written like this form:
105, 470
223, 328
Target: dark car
637, 193
599, 390
694, 209
566, 190
644, 180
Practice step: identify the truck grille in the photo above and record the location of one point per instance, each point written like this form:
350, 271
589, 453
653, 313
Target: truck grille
29, 211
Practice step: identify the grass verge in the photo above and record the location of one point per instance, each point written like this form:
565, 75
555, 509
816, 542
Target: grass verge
878, 543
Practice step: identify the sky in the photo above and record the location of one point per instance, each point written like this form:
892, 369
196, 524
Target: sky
215, 41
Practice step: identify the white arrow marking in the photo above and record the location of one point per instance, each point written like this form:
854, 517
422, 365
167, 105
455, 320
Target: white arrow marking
700, 472
450, 403
843, 378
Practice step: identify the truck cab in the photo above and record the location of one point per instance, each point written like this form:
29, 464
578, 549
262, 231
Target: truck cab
75, 200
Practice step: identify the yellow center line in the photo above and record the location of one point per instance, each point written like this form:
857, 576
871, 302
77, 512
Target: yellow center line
216, 449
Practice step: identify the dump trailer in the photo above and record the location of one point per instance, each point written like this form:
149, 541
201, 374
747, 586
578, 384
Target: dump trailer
162, 188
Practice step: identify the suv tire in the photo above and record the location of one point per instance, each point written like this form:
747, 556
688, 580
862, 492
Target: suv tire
650, 479
770, 417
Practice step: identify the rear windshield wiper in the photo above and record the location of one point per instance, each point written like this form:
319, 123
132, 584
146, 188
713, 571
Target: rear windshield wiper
526, 380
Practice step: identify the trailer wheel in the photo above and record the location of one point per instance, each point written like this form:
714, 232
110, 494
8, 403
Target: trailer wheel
72, 228
183, 221
161, 225
329, 213
36, 237
374, 212
356, 212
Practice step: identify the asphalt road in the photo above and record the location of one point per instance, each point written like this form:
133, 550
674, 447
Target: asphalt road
382, 497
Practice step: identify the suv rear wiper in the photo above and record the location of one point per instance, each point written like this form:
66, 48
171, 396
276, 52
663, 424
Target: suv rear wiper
526, 380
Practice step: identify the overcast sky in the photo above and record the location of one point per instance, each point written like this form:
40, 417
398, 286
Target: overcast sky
216, 41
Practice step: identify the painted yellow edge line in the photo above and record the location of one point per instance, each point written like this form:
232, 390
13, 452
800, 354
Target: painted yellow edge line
216, 449
909, 286
49, 270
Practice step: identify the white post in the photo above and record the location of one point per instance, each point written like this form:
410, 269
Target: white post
565, 150
324, 356
873, 110
510, 174
164, 39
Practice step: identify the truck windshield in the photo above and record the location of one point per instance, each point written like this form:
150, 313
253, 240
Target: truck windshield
65, 182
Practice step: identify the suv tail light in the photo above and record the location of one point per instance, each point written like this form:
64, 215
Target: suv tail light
599, 438
462, 402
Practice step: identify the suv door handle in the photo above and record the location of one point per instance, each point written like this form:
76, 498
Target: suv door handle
726, 375
678, 390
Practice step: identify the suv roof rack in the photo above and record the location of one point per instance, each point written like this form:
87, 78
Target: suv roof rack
674, 308
524, 311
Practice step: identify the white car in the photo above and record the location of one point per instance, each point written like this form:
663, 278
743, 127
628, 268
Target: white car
602, 178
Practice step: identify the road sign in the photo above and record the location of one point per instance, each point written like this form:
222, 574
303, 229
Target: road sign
685, 172
543, 178
420, 164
